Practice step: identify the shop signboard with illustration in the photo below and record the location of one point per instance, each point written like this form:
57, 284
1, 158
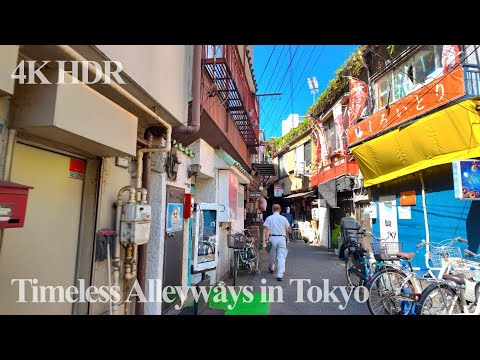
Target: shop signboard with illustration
466, 179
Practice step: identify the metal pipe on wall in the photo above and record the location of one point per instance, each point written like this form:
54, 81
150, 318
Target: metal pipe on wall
116, 259
76, 56
142, 249
425, 217
194, 125
12, 134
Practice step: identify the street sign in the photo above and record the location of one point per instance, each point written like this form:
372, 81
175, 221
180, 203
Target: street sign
277, 191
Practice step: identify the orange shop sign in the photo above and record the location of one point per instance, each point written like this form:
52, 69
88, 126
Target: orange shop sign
408, 198
430, 96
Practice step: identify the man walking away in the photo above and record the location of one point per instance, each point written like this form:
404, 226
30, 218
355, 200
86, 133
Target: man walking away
277, 229
289, 217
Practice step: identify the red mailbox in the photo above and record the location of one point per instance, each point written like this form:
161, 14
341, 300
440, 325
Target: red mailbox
13, 204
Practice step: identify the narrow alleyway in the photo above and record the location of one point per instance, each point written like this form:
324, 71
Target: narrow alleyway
306, 262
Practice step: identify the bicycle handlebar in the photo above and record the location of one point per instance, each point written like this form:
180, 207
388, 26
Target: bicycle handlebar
374, 237
468, 252
438, 246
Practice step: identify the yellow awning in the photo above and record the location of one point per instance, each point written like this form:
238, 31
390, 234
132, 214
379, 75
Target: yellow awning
439, 138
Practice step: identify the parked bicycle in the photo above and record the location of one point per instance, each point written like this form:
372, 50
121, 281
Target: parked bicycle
358, 265
397, 289
459, 290
245, 253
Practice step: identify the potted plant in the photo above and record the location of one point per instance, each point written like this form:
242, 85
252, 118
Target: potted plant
334, 238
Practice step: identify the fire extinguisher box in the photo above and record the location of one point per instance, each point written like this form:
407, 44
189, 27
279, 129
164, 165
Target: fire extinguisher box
188, 206
13, 204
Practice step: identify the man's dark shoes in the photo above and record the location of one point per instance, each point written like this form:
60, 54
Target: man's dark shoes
279, 279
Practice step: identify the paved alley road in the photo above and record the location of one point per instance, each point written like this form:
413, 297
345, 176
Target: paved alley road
306, 262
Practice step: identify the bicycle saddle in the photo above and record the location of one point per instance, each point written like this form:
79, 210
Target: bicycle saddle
458, 278
405, 256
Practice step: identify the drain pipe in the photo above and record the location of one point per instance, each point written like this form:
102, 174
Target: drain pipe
425, 217
116, 259
142, 249
194, 125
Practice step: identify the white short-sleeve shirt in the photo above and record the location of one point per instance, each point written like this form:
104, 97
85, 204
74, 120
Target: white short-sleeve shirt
277, 224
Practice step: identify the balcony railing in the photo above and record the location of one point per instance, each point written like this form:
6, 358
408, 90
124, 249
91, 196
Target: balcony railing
472, 80
225, 69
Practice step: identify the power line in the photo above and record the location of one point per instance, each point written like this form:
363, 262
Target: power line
269, 58
286, 71
310, 70
275, 68
299, 79
291, 80
292, 98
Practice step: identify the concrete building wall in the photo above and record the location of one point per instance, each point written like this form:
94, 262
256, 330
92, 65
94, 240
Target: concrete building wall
164, 71
8, 61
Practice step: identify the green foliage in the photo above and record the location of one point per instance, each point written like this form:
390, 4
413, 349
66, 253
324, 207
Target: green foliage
281, 142
339, 84
334, 237
335, 88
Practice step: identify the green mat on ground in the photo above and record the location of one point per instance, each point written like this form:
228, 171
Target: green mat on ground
242, 307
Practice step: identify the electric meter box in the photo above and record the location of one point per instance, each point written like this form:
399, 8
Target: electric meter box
135, 224
13, 204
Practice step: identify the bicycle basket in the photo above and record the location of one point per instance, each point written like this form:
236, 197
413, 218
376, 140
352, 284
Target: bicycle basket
236, 241
447, 252
386, 250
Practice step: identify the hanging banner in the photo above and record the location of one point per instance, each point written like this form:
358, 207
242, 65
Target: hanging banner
323, 160
356, 101
433, 95
338, 119
450, 57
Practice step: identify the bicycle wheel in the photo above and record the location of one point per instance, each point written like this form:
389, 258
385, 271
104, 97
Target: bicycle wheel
252, 261
354, 270
383, 288
439, 299
235, 267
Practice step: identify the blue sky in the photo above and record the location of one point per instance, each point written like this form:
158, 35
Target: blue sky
273, 74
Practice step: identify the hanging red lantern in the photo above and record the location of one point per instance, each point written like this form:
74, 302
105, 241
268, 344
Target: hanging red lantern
262, 204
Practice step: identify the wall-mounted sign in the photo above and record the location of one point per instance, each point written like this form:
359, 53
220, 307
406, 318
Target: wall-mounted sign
277, 191
315, 213
433, 95
466, 179
255, 194
404, 212
408, 198
174, 217
371, 210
